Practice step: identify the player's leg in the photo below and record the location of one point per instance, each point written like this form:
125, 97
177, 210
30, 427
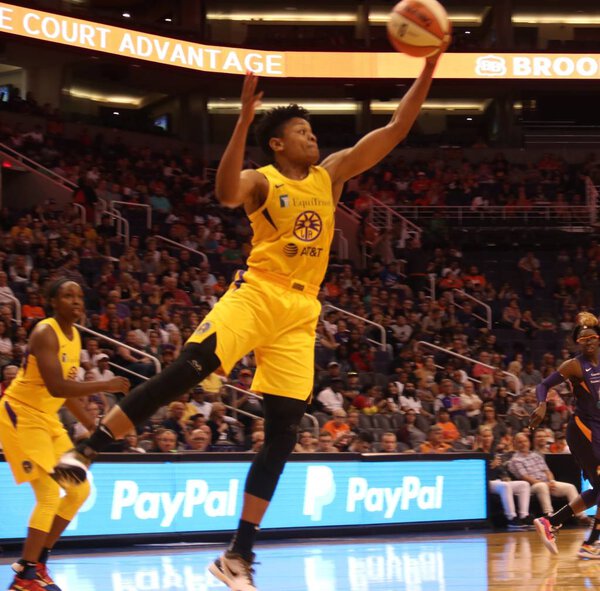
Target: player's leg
582, 451
229, 331
47, 496
286, 366
195, 363
282, 419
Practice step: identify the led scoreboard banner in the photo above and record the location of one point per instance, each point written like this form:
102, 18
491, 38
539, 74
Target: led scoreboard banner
128, 43
174, 494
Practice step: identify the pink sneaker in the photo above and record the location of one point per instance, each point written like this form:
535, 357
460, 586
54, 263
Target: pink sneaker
547, 533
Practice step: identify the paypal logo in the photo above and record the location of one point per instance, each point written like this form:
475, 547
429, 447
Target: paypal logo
319, 491
360, 495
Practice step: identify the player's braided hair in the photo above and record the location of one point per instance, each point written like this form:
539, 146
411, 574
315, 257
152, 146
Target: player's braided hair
585, 320
272, 122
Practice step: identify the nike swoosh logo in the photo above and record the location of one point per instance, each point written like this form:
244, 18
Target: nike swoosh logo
277, 186
589, 369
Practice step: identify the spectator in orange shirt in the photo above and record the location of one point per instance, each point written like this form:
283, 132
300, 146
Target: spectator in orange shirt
434, 443
337, 425
449, 431
474, 278
32, 310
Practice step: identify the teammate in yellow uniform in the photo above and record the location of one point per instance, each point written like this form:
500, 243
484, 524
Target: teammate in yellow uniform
33, 437
271, 308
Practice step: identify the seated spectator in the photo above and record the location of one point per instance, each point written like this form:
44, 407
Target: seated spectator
32, 310
362, 443
489, 419
199, 403
7, 295
389, 444
409, 433
133, 360
337, 425
331, 397
175, 421
435, 442
531, 467
91, 354
560, 445
471, 403
165, 441
306, 442
257, 441
450, 432
541, 441
325, 443
502, 484
198, 440
6, 344
9, 373
130, 444
223, 431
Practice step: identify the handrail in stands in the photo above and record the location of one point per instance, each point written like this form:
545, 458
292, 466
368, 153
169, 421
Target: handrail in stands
236, 389
103, 337
488, 309
471, 360
129, 371
128, 204
18, 317
383, 342
179, 245
82, 210
37, 167
121, 223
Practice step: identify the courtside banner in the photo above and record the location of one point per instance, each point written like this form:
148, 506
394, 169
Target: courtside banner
173, 497
65, 30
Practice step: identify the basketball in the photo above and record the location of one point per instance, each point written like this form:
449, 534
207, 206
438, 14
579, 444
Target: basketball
418, 27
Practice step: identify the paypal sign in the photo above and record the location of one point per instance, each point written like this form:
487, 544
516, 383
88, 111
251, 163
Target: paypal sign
171, 497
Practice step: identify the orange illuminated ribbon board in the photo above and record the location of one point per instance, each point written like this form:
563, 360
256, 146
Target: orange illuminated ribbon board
65, 30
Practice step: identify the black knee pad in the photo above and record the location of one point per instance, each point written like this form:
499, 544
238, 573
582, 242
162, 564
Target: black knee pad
196, 362
281, 432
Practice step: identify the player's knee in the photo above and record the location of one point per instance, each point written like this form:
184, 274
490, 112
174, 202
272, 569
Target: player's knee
196, 362
77, 495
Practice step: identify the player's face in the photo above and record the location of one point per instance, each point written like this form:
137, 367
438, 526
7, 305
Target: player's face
299, 142
589, 341
68, 303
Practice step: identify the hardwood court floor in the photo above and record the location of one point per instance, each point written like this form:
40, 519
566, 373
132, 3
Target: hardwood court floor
429, 562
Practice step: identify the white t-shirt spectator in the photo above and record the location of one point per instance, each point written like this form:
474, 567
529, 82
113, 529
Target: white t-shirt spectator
203, 408
6, 295
93, 360
330, 399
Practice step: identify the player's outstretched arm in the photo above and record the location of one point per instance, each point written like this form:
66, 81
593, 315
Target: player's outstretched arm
44, 345
233, 186
377, 144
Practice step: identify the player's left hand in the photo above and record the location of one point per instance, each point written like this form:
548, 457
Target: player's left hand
537, 416
433, 59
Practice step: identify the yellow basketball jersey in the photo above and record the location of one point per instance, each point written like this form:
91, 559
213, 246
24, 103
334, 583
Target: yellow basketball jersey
294, 227
29, 387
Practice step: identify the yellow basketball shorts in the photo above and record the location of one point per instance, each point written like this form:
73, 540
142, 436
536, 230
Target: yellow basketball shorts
278, 323
31, 440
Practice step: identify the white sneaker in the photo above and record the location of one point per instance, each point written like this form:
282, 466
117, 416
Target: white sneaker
72, 468
234, 571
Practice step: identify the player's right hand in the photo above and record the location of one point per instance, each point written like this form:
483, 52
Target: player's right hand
118, 384
251, 100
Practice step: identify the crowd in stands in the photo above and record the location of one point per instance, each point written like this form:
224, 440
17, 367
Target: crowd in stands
376, 387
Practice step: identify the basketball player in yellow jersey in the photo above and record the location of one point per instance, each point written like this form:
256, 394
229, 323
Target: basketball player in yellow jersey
32, 436
271, 308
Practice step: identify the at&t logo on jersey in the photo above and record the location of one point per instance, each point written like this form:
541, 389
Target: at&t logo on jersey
308, 226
